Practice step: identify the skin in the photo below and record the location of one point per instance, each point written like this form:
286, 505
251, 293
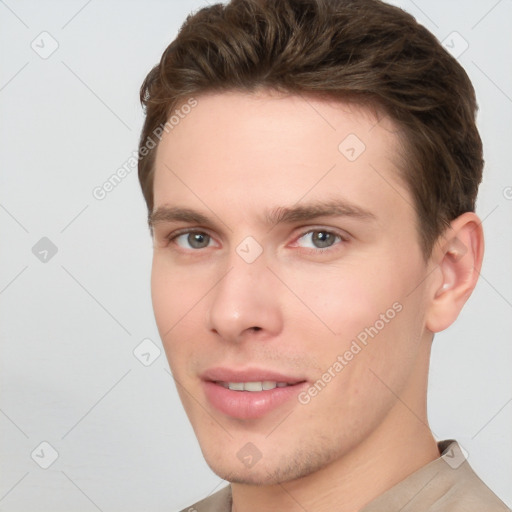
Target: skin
238, 159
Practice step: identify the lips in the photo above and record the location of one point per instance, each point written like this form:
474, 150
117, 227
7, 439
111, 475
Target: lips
251, 393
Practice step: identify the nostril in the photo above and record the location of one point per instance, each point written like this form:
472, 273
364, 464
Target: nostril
255, 329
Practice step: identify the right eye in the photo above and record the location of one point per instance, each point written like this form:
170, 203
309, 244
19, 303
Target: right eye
193, 240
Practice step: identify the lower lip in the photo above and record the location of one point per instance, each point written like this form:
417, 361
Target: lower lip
247, 405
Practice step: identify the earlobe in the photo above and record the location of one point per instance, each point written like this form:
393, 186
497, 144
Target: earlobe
458, 256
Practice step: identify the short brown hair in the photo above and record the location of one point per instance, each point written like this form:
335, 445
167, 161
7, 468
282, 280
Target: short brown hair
362, 50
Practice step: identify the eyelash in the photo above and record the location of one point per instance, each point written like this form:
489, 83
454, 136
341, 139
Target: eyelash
171, 238
319, 250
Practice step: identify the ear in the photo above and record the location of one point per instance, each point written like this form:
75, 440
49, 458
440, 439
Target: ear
457, 259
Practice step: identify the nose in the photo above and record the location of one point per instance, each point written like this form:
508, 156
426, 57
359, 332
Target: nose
245, 303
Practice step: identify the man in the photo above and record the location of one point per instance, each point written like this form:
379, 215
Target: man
310, 170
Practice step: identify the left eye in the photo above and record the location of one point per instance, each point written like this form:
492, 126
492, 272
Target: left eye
194, 240
319, 239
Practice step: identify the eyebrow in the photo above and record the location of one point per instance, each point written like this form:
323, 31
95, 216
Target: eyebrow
174, 214
280, 215
300, 213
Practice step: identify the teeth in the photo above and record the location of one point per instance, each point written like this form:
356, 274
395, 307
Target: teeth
253, 386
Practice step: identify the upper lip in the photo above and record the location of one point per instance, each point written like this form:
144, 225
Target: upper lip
222, 374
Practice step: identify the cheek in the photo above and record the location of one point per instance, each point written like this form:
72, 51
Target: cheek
175, 290
376, 327
368, 315
164, 297
176, 298
344, 300
368, 295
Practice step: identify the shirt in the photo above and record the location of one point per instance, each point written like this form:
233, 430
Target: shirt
447, 484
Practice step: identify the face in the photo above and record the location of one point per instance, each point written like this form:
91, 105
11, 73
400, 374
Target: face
287, 280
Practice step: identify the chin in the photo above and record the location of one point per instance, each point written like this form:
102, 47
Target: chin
270, 472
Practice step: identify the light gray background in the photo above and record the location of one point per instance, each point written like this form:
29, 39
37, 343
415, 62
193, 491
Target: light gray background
69, 325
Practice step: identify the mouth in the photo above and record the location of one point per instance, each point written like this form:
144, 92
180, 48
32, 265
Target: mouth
253, 387
249, 394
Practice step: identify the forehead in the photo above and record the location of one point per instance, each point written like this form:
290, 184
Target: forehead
250, 149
